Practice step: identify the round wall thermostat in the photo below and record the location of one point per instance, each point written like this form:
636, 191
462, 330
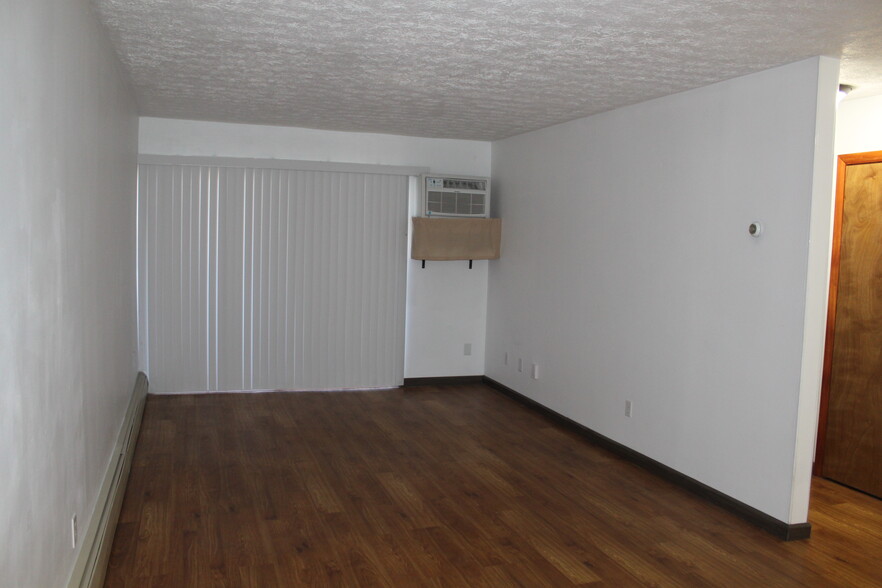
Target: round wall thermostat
755, 229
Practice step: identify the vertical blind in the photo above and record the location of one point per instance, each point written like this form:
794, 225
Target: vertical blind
255, 279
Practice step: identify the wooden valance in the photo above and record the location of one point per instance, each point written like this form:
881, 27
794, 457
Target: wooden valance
445, 239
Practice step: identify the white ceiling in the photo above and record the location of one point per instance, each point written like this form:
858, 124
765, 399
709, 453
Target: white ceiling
468, 69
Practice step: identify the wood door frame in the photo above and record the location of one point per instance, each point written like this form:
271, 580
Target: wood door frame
842, 164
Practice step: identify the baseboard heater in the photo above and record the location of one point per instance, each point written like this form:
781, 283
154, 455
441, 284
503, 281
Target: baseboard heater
91, 563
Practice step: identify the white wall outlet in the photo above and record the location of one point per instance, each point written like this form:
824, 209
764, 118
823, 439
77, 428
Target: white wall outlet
628, 408
467, 349
73, 531
520, 364
505, 358
535, 371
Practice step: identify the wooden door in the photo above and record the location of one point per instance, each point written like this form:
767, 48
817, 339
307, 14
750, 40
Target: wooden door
853, 450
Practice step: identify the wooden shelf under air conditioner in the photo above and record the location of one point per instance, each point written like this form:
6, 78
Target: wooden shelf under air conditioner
447, 239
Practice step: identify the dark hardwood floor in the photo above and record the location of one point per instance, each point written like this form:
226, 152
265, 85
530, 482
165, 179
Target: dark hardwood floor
438, 486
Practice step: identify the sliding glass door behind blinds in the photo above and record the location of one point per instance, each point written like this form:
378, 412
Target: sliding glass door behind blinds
255, 279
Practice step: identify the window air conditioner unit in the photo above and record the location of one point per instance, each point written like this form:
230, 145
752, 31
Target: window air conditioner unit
456, 196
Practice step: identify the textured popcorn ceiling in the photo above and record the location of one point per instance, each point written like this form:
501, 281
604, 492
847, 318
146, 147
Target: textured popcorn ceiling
473, 69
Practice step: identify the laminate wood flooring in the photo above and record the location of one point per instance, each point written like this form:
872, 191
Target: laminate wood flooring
438, 486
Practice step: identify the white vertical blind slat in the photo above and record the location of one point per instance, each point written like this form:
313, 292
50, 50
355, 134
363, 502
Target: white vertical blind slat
270, 279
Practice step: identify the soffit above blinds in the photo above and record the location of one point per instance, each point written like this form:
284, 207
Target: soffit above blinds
280, 164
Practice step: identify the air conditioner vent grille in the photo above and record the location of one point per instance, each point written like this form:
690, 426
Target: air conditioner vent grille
456, 196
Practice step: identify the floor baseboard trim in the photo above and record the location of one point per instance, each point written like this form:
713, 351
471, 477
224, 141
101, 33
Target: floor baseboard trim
441, 380
91, 564
780, 529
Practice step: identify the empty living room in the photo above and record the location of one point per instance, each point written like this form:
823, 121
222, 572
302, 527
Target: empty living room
460, 293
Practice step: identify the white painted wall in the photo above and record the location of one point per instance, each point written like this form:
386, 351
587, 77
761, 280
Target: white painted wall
163, 136
859, 125
629, 274
446, 302
817, 288
68, 148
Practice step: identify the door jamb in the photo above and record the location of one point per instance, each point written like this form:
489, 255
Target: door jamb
842, 164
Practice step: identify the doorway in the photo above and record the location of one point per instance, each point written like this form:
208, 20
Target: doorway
849, 447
